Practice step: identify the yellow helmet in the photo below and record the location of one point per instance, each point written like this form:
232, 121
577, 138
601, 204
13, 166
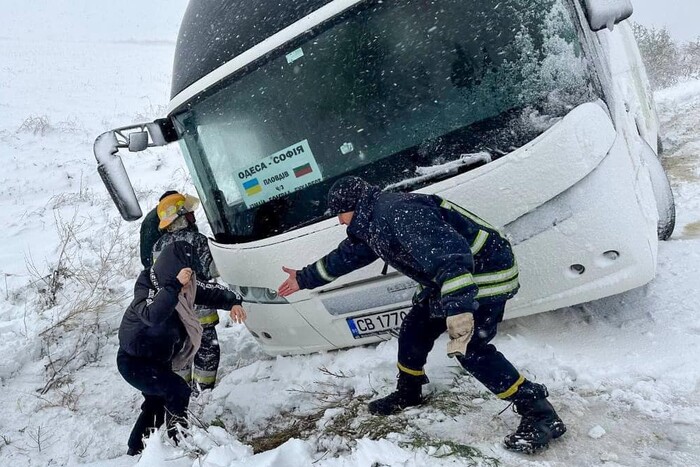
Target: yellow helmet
173, 206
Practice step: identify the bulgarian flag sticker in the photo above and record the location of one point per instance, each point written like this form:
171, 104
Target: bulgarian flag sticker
302, 170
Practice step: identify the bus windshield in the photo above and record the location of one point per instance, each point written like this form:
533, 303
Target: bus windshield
386, 91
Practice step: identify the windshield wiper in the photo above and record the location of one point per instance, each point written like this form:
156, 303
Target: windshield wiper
436, 172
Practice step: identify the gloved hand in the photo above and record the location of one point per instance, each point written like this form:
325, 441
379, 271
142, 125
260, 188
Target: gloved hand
460, 329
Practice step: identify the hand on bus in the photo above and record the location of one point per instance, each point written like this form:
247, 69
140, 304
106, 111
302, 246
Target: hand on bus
237, 314
289, 286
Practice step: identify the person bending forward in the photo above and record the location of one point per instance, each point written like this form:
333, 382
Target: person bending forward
465, 271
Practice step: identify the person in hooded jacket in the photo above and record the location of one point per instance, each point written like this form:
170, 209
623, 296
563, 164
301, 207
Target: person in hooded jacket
160, 334
176, 222
465, 270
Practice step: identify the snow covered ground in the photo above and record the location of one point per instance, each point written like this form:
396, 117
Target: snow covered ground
621, 371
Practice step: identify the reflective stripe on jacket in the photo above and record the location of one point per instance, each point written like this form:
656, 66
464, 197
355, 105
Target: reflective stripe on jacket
456, 257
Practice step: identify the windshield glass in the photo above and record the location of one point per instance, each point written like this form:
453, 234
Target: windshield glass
390, 91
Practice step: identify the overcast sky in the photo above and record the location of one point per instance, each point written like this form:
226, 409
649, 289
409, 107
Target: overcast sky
682, 17
92, 20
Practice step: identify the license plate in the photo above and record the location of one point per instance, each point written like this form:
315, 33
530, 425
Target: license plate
377, 323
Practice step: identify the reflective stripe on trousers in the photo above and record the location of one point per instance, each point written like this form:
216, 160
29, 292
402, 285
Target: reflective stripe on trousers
206, 360
419, 332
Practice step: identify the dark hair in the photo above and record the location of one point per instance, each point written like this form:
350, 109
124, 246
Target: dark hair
167, 193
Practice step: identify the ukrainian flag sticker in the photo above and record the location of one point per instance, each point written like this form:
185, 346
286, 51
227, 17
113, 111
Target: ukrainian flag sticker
287, 170
252, 187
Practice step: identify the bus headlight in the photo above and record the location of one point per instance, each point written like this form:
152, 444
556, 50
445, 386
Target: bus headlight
260, 295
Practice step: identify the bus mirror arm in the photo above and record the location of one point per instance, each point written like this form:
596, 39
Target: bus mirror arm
167, 130
114, 176
135, 138
603, 14
142, 136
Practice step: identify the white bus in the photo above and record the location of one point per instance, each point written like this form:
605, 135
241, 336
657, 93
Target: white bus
533, 114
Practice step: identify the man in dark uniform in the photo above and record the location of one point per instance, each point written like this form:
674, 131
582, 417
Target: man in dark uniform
465, 271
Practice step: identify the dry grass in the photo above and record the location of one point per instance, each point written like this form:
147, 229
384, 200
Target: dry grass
348, 421
468, 455
300, 427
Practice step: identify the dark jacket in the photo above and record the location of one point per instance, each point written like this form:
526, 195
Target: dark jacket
203, 264
457, 258
151, 327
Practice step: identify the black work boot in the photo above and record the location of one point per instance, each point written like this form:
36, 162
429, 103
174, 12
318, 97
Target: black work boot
540, 423
407, 394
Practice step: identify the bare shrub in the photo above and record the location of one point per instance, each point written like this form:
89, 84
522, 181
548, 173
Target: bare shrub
49, 285
85, 194
666, 60
151, 112
78, 296
4, 442
41, 125
40, 438
690, 52
67, 396
36, 125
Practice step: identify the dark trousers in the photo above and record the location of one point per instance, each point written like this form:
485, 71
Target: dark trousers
419, 332
164, 392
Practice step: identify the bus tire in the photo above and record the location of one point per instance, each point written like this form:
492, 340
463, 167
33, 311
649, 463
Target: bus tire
663, 194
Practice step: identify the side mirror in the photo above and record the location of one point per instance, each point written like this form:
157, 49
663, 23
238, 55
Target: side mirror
603, 14
138, 141
111, 168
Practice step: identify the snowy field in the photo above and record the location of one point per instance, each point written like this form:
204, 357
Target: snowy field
622, 372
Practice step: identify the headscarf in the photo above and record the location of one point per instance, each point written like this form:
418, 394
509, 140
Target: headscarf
185, 310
